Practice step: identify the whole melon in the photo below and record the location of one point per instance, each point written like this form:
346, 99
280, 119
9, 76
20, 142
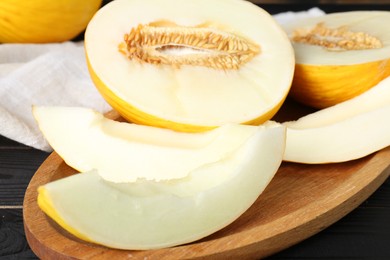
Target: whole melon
44, 21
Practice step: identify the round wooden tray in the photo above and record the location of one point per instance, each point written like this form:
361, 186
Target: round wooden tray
299, 202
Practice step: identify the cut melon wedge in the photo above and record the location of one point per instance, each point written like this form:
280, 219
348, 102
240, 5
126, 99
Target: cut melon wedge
124, 152
188, 65
350, 130
150, 214
339, 56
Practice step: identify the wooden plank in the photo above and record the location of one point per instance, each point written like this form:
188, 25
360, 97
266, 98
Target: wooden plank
6, 142
13, 244
362, 234
17, 166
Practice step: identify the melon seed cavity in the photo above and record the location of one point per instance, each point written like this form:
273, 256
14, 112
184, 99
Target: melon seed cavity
337, 39
167, 43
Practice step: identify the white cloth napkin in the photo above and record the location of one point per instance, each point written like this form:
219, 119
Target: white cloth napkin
42, 74
53, 74
286, 17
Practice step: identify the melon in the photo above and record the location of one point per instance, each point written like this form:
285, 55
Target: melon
347, 131
44, 21
189, 65
339, 55
124, 152
154, 208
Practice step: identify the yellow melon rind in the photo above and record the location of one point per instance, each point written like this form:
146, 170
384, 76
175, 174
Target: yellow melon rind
327, 85
45, 203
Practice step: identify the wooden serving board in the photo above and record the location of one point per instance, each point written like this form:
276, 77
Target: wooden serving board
299, 202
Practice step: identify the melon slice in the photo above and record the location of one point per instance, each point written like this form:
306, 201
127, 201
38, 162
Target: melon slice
124, 152
349, 130
155, 214
189, 65
339, 56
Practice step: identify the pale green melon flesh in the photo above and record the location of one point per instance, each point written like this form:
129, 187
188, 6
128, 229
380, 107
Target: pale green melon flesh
374, 98
373, 23
346, 131
148, 214
124, 152
346, 140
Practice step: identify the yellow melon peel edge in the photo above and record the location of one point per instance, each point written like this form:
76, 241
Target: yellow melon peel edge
317, 86
132, 114
46, 205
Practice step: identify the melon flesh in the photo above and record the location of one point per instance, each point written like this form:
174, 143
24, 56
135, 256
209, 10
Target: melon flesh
190, 98
350, 56
149, 214
350, 130
370, 22
124, 152
374, 98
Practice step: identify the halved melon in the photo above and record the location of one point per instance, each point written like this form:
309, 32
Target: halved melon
147, 214
349, 130
189, 65
339, 56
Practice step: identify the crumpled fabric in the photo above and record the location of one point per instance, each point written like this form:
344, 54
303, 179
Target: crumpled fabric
42, 74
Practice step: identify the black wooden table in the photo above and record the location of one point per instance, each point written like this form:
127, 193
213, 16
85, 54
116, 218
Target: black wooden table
362, 234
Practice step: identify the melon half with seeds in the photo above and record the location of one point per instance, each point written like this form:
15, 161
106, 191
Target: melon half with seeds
339, 56
189, 65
